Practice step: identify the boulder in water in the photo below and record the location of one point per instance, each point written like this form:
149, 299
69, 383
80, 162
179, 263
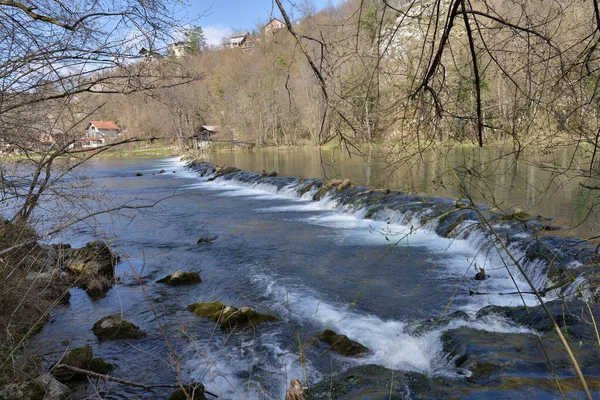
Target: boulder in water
233, 318
180, 277
230, 318
207, 239
518, 215
92, 268
195, 391
376, 382
82, 358
95, 258
480, 275
79, 357
100, 366
342, 345
210, 309
115, 327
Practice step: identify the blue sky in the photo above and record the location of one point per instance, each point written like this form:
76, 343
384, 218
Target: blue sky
226, 16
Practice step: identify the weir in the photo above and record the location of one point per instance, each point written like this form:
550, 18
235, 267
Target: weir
558, 266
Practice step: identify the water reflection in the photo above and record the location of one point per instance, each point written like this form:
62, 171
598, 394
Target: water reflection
547, 185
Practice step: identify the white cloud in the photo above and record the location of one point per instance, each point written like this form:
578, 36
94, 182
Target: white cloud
216, 33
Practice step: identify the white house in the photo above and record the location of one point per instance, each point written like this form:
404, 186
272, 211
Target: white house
178, 49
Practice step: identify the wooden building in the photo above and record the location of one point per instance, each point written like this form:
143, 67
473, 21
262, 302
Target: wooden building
273, 26
245, 42
203, 137
102, 129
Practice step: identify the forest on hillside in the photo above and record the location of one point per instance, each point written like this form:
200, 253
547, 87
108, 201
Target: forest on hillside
395, 72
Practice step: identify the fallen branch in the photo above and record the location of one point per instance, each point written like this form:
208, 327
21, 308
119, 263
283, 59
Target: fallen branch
123, 381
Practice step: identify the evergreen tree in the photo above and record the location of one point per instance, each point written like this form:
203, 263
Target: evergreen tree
196, 40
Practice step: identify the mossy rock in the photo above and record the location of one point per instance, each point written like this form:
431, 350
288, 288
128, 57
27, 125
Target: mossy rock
306, 188
194, 391
180, 277
95, 258
271, 174
79, 357
114, 327
342, 345
321, 192
230, 318
221, 170
520, 216
100, 366
210, 310
233, 318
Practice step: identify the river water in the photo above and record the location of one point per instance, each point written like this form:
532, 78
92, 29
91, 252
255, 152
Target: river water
310, 263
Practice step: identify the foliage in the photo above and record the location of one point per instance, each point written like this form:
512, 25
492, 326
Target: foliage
195, 39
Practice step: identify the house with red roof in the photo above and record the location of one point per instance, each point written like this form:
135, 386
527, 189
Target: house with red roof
103, 129
97, 132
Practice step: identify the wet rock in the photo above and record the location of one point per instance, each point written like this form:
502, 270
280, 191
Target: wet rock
376, 382
100, 366
92, 268
520, 216
82, 358
207, 239
492, 357
210, 310
343, 345
271, 174
96, 257
52, 389
115, 327
573, 316
180, 277
308, 187
230, 318
334, 184
233, 318
480, 275
195, 391
139, 174
79, 357
221, 170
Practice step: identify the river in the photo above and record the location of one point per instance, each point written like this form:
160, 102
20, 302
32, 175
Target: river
311, 264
